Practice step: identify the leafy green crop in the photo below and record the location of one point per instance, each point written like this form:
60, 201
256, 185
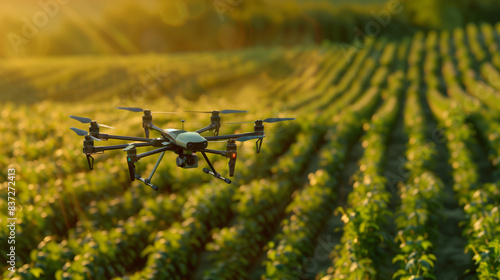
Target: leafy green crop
350, 114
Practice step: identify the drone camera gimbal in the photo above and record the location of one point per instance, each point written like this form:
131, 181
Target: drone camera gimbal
187, 161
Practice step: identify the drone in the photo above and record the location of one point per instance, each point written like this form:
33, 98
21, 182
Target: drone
186, 144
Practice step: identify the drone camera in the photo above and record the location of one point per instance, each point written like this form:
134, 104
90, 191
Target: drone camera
187, 161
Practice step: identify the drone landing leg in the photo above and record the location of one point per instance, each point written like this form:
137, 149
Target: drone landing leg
213, 172
258, 145
90, 162
148, 180
156, 165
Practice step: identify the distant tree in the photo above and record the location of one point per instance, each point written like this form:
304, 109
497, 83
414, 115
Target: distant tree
432, 14
448, 14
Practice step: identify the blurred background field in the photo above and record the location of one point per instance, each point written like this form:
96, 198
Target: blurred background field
73, 27
391, 169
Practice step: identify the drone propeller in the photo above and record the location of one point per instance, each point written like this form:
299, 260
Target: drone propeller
246, 138
136, 109
130, 146
222, 112
268, 120
87, 120
240, 139
82, 132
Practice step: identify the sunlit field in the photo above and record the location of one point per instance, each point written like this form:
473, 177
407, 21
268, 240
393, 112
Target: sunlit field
390, 170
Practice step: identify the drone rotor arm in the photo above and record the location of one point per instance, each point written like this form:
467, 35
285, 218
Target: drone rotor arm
206, 128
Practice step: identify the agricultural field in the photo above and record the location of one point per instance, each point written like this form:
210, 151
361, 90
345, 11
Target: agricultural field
391, 169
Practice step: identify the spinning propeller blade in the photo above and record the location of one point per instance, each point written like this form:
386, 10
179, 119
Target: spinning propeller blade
81, 119
246, 138
273, 120
232, 111
222, 112
78, 131
82, 132
87, 120
268, 120
137, 109
133, 109
128, 147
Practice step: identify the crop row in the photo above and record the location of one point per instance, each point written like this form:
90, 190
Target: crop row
259, 205
312, 204
468, 67
174, 250
332, 69
69, 197
117, 245
348, 70
313, 76
472, 195
417, 216
480, 207
477, 199
367, 213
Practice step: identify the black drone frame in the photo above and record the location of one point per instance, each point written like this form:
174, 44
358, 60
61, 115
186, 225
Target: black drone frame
166, 143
